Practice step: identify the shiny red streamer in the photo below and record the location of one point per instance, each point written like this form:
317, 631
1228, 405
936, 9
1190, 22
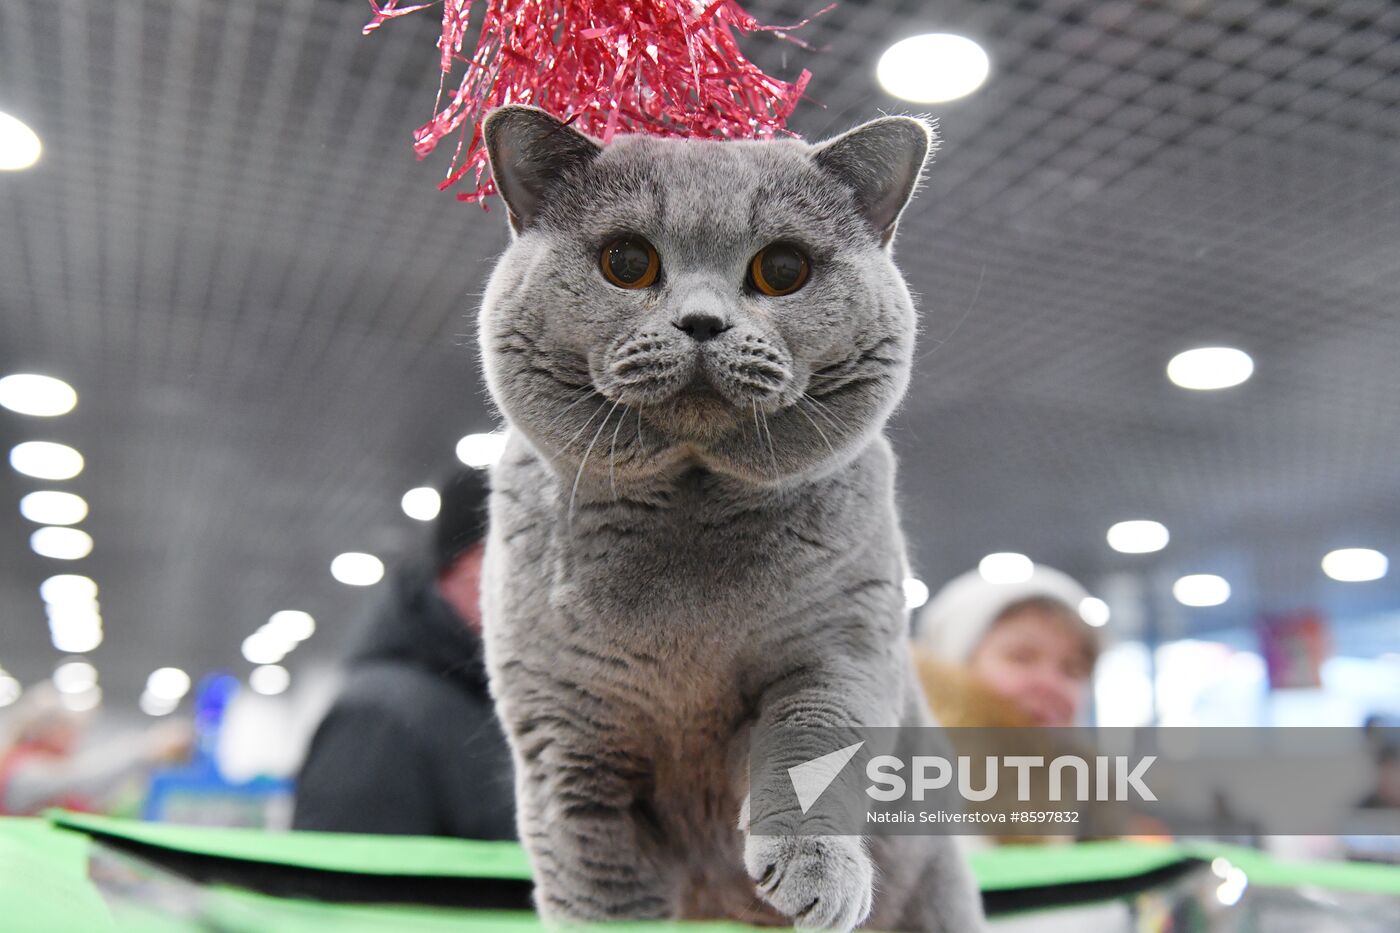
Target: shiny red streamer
664, 67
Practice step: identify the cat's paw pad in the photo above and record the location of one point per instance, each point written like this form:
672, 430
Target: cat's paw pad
820, 882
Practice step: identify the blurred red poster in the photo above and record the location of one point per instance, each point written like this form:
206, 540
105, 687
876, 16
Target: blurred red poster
1294, 646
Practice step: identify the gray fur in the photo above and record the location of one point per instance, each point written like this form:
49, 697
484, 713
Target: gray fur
690, 540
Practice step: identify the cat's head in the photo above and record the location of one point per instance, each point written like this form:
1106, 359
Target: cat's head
672, 302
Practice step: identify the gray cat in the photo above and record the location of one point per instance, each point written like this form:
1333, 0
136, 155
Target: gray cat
696, 345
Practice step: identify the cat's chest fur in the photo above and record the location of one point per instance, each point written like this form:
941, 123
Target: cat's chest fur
699, 586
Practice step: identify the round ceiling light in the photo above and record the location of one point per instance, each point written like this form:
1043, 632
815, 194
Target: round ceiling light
1094, 611
263, 647
1355, 565
68, 588
46, 460
48, 507
1006, 567
19, 145
74, 677
933, 68
269, 679
33, 394
153, 705
168, 683
77, 637
915, 593
61, 543
481, 450
290, 625
10, 689
422, 503
1139, 536
1207, 368
1201, 589
354, 568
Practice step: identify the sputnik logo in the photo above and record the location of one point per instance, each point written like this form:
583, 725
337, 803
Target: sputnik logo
811, 779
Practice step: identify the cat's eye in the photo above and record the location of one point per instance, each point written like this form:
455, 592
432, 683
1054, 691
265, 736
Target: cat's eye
778, 269
630, 262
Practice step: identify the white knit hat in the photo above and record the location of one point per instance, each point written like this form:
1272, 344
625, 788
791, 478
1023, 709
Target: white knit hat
955, 619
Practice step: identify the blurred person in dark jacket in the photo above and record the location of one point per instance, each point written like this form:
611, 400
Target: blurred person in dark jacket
411, 745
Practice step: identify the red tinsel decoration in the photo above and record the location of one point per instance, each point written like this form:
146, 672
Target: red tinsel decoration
665, 67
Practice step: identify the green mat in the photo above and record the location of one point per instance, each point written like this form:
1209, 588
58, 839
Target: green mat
374, 855
44, 881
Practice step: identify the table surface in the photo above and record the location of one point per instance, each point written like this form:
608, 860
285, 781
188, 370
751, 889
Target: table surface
48, 867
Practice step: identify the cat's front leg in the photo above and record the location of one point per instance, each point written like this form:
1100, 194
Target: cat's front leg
820, 879
580, 825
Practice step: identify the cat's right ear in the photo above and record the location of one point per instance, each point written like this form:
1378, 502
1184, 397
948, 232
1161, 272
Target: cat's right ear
530, 151
880, 162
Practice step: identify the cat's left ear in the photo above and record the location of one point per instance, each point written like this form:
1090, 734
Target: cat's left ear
880, 162
530, 151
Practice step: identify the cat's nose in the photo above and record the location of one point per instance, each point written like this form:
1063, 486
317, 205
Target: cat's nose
701, 327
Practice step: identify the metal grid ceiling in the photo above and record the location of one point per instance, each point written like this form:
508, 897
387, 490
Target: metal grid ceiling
266, 305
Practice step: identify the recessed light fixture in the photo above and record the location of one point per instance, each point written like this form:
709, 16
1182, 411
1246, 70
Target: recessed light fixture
1355, 565
19, 145
1006, 567
48, 507
168, 683
1138, 536
481, 450
422, 503
269, 679
33, 394
291, 625
153, 705
10, 690
355, 568
1206, 368
1094, 611
61, 543
264, 647
68, 588
61, 614
46, 460
76, 635
82, 702
933, 68
74, 677
915, 593
1201, 589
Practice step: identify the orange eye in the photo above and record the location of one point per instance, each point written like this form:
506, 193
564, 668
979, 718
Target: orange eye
630, 262
778, 269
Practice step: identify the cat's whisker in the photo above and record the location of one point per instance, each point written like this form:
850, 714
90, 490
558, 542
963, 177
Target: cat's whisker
772, 454
573, 494
817, 426
612, 453
757, 431
584, 393
831, 417
584, 427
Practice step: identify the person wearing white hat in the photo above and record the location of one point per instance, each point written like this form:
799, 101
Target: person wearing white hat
1024, 643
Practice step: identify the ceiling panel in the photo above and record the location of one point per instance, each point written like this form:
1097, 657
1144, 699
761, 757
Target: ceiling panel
266, 305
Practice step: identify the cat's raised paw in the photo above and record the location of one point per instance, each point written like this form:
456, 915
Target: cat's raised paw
821, 882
